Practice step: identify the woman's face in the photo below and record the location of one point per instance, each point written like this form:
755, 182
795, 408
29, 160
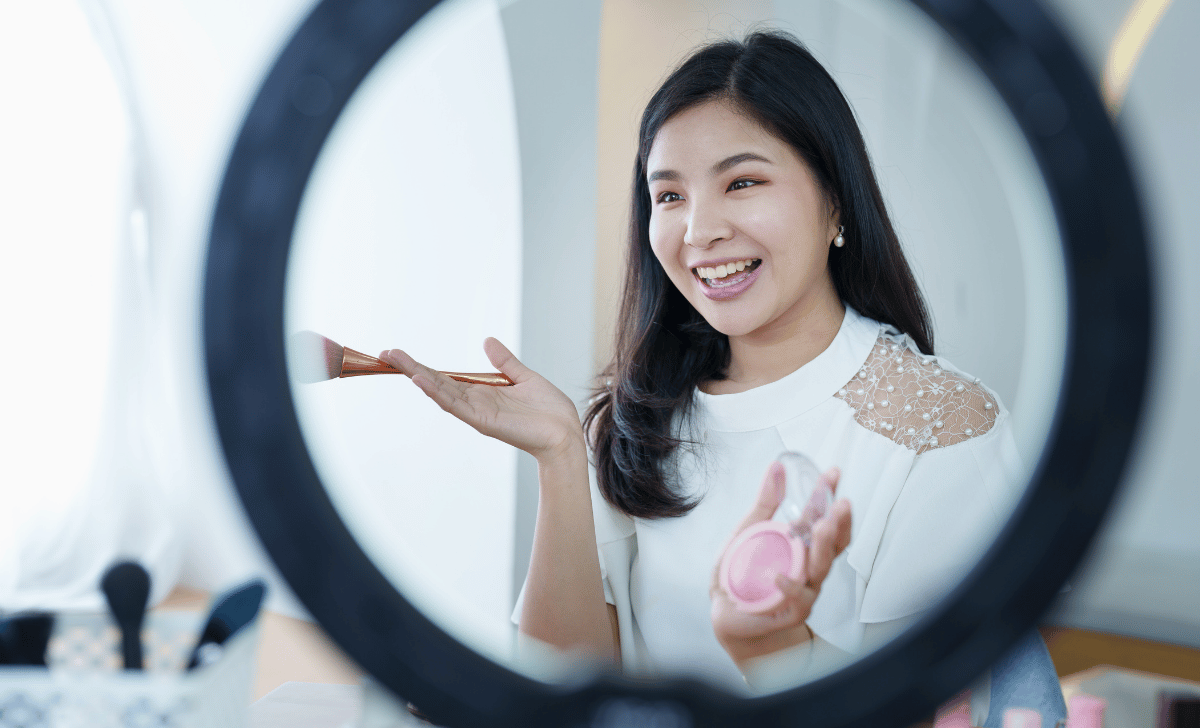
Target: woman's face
739, 224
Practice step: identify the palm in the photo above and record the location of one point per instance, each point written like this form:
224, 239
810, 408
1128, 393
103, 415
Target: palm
532, 415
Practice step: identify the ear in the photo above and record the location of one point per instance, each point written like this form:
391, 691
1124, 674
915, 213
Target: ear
834, 209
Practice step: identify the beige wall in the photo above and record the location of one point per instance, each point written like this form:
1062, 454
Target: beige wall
641, 41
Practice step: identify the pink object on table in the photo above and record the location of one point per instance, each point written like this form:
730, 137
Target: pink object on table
1085, 711
956, 713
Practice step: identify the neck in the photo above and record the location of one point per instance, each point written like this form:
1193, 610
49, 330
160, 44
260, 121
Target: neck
768, 355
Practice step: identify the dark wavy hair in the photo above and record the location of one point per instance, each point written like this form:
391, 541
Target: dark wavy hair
664, 348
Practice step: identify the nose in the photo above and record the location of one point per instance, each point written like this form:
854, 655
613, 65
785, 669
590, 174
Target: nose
706, 226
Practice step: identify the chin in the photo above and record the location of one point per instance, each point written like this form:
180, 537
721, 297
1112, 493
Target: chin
731, 326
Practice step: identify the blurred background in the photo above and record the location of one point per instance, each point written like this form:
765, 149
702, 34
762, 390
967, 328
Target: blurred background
119, 115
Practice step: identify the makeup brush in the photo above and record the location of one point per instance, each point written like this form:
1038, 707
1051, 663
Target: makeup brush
315, 358
230, 612
127, 588
23, 638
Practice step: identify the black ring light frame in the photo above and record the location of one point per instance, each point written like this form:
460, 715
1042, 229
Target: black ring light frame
1053, 99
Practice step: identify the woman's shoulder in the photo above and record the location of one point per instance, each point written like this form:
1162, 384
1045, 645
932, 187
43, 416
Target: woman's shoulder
919, 401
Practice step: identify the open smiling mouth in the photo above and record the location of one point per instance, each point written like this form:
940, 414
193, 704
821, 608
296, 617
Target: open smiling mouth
728, 274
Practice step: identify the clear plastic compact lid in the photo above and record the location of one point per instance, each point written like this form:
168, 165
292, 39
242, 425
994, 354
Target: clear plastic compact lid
806, 497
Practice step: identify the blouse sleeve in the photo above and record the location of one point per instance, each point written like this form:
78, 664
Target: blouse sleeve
949, 511
616, 541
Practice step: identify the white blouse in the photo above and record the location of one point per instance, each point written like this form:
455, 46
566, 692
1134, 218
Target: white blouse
928, 464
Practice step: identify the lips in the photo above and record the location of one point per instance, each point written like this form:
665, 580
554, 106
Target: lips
728, 280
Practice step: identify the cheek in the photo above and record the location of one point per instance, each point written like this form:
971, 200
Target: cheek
798, 234
666, 249
660, 243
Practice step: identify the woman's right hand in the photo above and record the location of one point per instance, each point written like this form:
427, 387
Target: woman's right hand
532, 415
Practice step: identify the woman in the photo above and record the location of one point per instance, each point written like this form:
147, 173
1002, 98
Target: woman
767, 307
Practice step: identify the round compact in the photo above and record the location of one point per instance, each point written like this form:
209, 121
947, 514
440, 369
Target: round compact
778, 546
752, 561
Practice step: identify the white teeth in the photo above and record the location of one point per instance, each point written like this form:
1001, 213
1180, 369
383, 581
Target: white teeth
727, 269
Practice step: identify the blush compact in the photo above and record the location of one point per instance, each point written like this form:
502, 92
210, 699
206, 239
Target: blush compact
777, 546
753, 560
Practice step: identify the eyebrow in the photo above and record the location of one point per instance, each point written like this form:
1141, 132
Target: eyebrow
723, 166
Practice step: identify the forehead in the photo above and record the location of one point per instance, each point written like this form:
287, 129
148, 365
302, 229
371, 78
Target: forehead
709, 132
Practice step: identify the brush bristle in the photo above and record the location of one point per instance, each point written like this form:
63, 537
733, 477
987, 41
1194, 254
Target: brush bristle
313, 358
127, 586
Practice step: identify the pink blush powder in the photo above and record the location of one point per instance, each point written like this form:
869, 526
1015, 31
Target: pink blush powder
755, 563
754, 559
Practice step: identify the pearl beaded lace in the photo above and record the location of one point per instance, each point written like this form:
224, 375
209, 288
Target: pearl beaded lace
911, 399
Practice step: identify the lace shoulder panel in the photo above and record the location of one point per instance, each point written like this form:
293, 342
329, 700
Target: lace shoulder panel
909, 398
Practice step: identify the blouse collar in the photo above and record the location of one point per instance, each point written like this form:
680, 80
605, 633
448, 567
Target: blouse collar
798, 392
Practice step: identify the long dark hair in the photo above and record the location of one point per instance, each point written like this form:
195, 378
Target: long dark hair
664, 348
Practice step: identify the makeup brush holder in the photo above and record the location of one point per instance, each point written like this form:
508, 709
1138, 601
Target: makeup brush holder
84, 685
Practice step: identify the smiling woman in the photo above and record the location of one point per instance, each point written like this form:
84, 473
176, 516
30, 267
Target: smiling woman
749, 156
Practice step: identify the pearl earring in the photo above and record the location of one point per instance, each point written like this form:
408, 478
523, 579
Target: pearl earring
840, 240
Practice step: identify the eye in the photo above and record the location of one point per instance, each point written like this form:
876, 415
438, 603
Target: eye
743, 183
666, 197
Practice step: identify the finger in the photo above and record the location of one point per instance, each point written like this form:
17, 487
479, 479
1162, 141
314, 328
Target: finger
505, 361
448, 394
405, 363
820, 552
770, 495
842, 517
793, 610
819, 502
828, 533
442, 390
437, 386
799, 598
831, 477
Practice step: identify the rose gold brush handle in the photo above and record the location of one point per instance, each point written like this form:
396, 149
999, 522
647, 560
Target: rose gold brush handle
492, 379
357, 364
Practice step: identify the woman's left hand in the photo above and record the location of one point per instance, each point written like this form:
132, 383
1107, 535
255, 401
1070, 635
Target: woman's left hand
746, 636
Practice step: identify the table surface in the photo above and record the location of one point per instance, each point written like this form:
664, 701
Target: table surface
315, 705
307, 705
289, 650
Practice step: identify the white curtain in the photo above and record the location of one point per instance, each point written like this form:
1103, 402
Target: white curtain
83, 444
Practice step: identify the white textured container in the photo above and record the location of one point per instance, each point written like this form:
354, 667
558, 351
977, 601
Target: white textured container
85, 687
